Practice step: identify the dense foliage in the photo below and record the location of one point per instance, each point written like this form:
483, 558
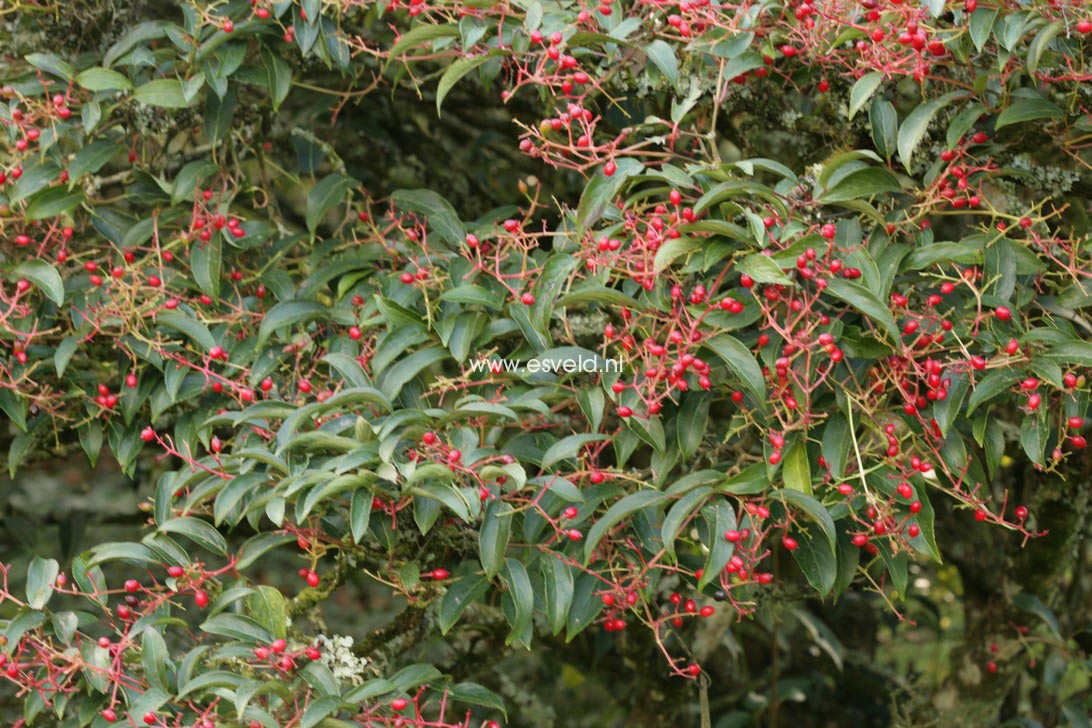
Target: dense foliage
830, 262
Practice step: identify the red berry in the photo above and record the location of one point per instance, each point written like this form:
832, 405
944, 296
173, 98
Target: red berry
175, 571
201, 599
440, 574
1003, 313
109, 715
313, 579
278, 646
789, 543
399, 704
527, 299
132, 585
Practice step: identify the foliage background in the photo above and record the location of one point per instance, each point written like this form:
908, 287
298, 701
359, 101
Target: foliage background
297, 138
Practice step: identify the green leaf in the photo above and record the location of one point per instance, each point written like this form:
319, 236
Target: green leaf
319, 710
763, 269
325, 196
205, 682
1042, 40
279, 76
51, 63
816, 559
601, 190
52, 202
205, 261
813, 509
267, 606
883, 120
103, 79
256, 547
947, 410
862, 184
63, 355
836, 441
201, 533
743, 364
926, 256
360, 512
455, 73
45, 277
413, 676
915, 126
92, 158
1034, 605
586, 605
1033, 437
422, 34
674, 248
981, 24
139, 33
796, 469
743, 63
41, 575
474, 694
136, 552
239, 627
493, 537
194, 329
866, 302
692, 422
1027, 110
1073, 352
862, 91
441, 216
680, 513
627, 506
153, 657
289, 313
720, 517
662, 56
187, 179
165, 93
522, 601
22, 623
459, 596
568, 448
558, 581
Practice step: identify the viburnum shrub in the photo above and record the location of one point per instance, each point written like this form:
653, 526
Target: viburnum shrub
832, 259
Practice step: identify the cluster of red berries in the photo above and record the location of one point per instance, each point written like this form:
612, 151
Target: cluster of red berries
277, 655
